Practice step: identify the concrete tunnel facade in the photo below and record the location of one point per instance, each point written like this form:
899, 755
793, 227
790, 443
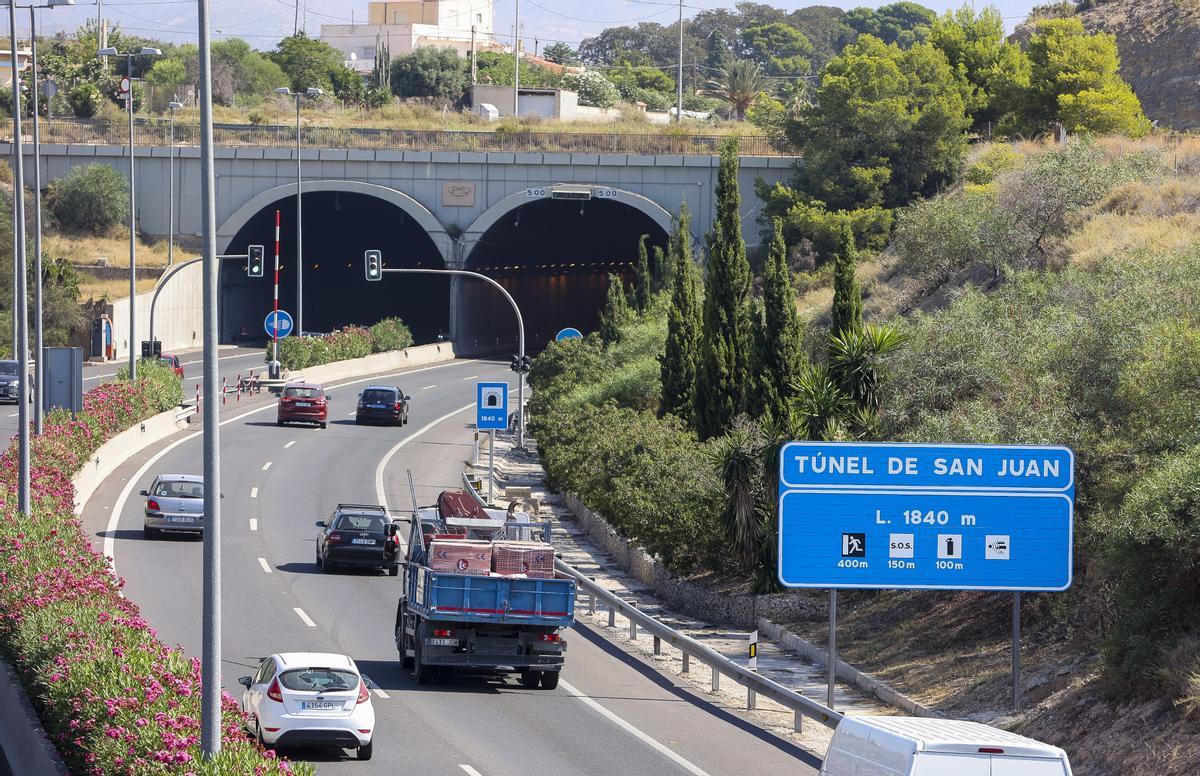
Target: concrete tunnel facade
553, 250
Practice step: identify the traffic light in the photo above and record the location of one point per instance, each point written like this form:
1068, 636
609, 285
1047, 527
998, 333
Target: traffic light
516, 364
521, 364
526, 364
374, 260
254, 261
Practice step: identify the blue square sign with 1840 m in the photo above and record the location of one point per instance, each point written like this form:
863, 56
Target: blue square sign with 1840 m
939, 517
491, 400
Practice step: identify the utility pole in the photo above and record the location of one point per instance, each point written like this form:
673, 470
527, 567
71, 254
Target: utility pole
296, 20
474, 60
210, 655
21, 332
39, 382
679, 73
517, 61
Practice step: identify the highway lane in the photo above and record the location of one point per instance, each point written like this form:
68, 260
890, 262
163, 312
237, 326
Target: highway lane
633, 720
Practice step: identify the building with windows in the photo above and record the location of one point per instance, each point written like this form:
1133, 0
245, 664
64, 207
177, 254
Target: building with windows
410, 24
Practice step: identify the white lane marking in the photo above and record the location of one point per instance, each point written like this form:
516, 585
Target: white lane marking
351, 414
14, 414
289, 444
426, 388
254, 493
266, 466
472, 377
469, 770
380, 693
304, 617
265, 566
110, 529
253, 524
383, 462
674, 756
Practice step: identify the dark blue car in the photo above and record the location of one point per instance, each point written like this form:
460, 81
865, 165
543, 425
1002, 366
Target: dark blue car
382, 404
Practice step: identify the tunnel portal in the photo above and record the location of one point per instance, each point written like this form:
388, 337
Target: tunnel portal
554, 256
338, 227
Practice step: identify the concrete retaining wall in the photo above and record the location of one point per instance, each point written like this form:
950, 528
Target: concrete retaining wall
178, 316
391, 361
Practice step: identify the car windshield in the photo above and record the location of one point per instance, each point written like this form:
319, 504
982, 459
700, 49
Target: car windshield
372, 523
378, 395
302, 393
8, 367
177, 489
319, 679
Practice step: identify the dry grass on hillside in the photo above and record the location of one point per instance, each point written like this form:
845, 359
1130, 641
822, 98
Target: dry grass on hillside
85, 250
1139, 218
95, 289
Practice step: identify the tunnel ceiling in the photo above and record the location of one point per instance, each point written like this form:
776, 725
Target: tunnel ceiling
338, 228
554, 257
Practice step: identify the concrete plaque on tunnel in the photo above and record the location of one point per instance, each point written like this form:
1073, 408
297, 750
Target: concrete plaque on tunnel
458, 194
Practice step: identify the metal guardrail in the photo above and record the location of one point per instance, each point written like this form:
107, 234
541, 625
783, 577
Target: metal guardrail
153, 131
755, 683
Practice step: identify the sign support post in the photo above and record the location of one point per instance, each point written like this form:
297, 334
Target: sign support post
274, 368
830, 670
491, 415
491, 465
1016, 651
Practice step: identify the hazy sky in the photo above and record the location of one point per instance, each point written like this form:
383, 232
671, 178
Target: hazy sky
264, 22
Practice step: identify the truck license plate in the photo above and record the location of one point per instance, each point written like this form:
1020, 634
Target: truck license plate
362, 541
320, 705
442, 642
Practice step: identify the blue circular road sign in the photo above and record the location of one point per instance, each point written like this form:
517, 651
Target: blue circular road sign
278, 324
567, 334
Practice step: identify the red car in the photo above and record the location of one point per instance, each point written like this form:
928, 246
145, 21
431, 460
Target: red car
303, 403
172, 360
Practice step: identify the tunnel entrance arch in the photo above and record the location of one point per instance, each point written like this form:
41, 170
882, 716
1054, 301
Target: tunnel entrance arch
342, 219
553, 249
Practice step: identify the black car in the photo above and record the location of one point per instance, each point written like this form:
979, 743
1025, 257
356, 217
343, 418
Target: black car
358, 535
382, 404
9, 383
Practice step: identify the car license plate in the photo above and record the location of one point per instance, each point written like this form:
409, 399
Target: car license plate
303, 404
362, 541
181, 519
320, 705
442, 642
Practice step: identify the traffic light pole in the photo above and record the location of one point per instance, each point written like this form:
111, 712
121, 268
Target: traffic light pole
520, 334
172, 272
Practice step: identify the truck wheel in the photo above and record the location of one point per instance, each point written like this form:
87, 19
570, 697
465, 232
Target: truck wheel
422, 672
549, 680
530, 679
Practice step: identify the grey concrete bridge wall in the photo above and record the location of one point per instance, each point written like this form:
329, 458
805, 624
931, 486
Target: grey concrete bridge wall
454, 194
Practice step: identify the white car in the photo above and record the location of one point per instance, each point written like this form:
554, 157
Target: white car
309, 698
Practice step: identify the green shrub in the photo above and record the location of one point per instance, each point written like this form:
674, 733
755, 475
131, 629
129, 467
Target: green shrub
998, 158
92, 198
85, 100
391, 334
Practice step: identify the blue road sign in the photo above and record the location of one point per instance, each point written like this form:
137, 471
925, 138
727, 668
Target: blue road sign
567, 333
281, 321
938, 517
491, 406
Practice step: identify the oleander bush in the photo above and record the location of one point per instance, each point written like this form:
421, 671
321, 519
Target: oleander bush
112, 697
345, 343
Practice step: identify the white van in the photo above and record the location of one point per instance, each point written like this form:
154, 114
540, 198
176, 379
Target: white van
920, 746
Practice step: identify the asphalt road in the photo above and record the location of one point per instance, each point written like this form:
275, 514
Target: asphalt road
232, 361
610, 714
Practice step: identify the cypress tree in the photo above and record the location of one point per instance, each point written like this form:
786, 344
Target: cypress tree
658, 269
616, 312
642, 278
679, 361
847, 298
725, 381
781, 356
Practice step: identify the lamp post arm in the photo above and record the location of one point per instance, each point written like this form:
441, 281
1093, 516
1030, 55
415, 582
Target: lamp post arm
520, 332
162, 282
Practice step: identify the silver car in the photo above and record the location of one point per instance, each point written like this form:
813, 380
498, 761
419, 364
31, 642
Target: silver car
174, 502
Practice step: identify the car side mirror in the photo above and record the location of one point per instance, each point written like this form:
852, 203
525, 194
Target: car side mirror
245, 681
328, 399
321, 524
143, 493
391, 529
408, 398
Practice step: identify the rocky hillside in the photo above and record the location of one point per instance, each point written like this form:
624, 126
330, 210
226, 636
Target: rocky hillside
1159, 41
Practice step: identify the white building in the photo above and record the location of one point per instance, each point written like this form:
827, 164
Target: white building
410, 24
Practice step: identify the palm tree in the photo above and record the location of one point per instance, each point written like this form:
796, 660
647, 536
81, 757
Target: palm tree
740, 83
738, 460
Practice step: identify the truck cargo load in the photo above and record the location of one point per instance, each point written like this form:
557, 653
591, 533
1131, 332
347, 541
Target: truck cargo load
461, 556
533, 559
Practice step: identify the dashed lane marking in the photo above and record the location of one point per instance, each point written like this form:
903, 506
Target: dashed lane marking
266, 466
266, 567
304, 618
469, 770
253, 524
426, 388
289, 444
254, 493
471, 377
380, 693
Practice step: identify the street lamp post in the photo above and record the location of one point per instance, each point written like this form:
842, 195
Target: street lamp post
174, 106
39, 362
312, 93
146, 51
21, 331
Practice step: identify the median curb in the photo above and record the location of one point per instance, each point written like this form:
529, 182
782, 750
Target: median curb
389, 361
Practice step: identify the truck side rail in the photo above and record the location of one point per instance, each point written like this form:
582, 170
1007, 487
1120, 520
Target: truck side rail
799, 704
